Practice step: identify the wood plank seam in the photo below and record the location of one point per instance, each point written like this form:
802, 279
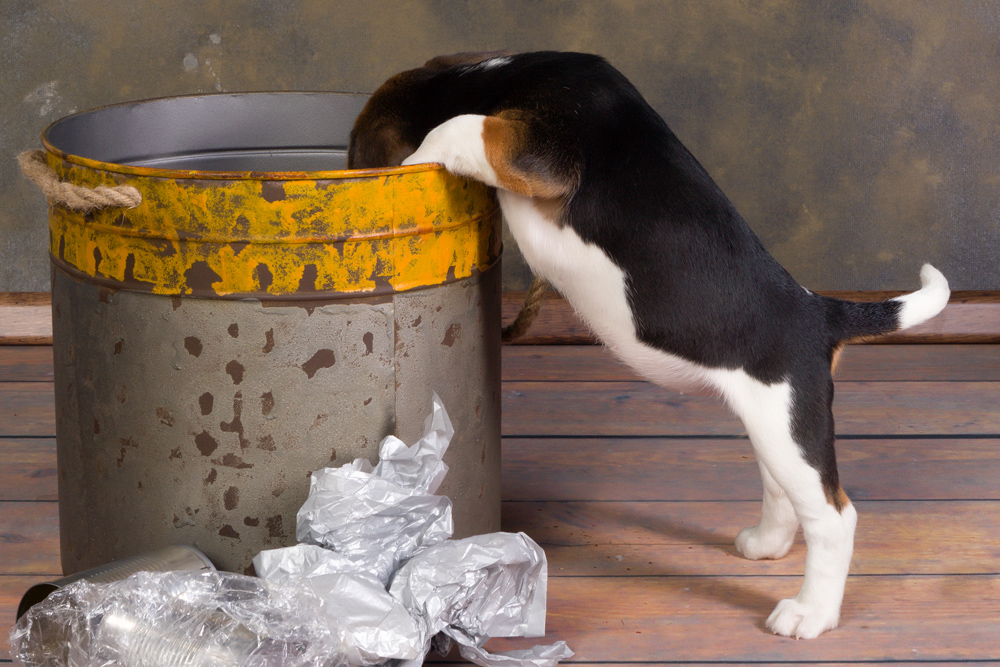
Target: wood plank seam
970, 317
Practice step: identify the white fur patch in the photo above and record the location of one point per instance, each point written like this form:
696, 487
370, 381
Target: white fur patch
491, 63
926, 302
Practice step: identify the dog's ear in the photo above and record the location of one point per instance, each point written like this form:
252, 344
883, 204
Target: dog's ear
380, 137
464, 58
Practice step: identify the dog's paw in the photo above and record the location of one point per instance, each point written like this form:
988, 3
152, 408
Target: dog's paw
458, 145
792, 618
433, 149
757, 544
448, 143
424, 155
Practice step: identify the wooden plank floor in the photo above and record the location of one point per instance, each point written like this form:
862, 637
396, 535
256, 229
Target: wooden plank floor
637, 494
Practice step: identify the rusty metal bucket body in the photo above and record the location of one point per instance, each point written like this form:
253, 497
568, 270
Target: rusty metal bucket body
242, 328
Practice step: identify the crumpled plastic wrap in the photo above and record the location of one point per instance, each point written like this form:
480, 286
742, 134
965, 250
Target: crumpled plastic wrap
420, 467
480, 587
362, 525
375, 626
483, 586
376, 580
371, 521
197, 619
379, 517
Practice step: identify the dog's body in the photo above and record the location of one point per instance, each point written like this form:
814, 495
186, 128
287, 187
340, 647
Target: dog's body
607, 205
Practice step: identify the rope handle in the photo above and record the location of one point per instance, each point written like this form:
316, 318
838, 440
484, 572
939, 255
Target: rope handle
530, 308
60, 193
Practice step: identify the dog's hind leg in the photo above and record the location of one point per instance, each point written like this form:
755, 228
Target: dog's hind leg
788, 434
773, 536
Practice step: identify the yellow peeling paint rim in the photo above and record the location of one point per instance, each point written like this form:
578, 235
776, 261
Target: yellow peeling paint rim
146, 249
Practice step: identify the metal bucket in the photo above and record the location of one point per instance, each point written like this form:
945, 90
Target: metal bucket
247, 324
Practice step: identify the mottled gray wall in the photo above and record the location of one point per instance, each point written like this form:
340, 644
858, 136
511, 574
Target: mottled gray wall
859, 139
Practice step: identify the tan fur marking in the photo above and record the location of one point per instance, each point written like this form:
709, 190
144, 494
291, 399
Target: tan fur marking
838, 499
550, 209
504, 140
379, 146
837, 351
861, 339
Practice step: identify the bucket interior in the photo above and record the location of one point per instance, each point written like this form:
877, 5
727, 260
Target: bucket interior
233, 132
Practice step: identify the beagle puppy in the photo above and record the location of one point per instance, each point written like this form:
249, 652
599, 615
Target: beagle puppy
608, 206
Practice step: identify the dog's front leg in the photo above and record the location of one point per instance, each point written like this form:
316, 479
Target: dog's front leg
502, 151
458, 145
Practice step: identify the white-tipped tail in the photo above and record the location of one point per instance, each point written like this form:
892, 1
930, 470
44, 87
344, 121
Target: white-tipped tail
926, 302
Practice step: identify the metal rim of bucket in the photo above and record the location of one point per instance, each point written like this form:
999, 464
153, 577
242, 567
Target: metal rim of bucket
400, 228
115, 167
